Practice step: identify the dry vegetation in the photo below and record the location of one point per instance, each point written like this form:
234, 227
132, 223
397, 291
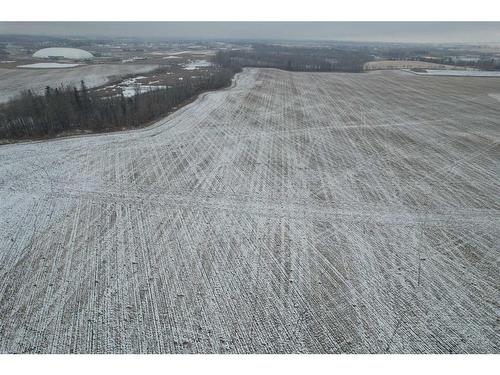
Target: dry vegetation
405, 64
294, 212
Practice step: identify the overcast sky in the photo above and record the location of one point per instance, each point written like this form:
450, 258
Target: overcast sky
433, 32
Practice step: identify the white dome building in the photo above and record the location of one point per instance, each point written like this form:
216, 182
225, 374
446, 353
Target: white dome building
63, 53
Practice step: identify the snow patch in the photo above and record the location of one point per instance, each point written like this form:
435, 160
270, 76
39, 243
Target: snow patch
48, 66
132, 59
197, 64
456, 73
495, 96
129, 91
179, 53
130, 87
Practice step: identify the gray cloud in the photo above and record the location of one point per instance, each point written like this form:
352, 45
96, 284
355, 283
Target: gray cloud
432, 32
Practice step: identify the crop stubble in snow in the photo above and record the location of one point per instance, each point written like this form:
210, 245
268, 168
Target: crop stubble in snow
294, 212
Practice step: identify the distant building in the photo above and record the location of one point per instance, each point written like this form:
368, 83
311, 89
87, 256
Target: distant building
63, 53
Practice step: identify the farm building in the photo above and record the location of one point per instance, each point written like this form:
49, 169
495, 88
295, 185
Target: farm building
63, 53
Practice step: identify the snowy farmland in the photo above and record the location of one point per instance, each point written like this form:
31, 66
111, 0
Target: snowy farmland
293, 212
457, 73
13, 81
405, 64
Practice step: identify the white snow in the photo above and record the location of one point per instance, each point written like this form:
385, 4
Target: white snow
13, 81
131, 87
457, 73
315, 212
131, 81
132, 59
196, 64
180, 53
495, 96
194, 52
48, 65
129, 91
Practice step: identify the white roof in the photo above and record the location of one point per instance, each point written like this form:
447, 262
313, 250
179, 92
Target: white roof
67, 53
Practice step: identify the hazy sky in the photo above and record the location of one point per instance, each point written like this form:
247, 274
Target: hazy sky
434, 32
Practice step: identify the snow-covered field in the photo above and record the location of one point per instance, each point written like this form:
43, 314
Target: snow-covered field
458, 73
405, 64
194, 52
48, 65
496, 96
13, 81
294, 212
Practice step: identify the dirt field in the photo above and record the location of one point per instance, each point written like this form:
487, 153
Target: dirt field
13, 81
294, 212
405, 64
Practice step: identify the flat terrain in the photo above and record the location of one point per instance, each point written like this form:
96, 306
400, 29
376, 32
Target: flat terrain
293, 212
405, 64
13, 81
458, 73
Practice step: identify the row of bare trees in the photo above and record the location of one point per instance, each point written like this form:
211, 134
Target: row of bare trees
322, 59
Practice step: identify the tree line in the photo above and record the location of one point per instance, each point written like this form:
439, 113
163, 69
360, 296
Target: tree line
3, 51
306, 59
68, 109
483, 63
